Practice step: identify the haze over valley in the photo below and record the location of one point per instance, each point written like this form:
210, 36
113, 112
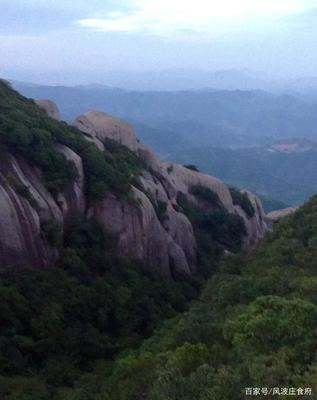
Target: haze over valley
232, 134
158, 199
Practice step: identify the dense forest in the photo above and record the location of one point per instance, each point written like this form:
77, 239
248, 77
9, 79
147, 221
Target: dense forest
101, 327
74, 333
60, 325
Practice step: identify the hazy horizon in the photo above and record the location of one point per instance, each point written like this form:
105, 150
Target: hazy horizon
67, 42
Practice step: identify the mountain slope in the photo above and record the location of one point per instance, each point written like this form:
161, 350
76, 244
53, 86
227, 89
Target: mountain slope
222, 132
51, 173
254, 326
99, 242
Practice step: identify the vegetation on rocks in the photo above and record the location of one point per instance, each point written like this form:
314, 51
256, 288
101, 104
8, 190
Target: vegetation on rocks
215, 228
102, 327
255, 324
76, 332
242, 200
56, 324
26, 131
209, 197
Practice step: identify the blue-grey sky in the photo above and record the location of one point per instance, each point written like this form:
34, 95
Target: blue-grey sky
79, 41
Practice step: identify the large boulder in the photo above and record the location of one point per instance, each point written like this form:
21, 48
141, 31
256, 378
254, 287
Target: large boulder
140, 235
99, 126
50, 108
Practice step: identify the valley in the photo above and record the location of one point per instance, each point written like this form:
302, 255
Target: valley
231, 134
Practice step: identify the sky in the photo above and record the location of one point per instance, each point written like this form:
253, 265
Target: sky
88, 41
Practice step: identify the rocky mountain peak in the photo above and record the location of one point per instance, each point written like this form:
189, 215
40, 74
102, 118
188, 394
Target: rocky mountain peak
158, 212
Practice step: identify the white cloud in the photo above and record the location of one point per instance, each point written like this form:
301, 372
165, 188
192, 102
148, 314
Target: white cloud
170, 16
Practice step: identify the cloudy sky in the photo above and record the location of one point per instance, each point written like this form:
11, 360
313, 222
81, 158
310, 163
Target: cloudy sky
81, 40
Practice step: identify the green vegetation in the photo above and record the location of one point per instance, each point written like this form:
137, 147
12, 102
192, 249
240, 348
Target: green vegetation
215, 228
126, 164
254, 326
160, 209
209, 197
56, 324
100, 327
20, 188
26, 131
243, 201
52, 232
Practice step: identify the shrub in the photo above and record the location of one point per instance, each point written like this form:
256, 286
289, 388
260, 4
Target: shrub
26, 130
192, 167
243, 201
52, 232
213, 227
210, 197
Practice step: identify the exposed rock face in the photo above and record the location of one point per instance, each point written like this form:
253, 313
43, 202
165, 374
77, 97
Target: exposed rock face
21, 243
256, 226
275, 216
148, 227
50, 108
99, 126
140, 234
73, 199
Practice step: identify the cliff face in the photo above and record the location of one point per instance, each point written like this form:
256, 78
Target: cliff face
149, 225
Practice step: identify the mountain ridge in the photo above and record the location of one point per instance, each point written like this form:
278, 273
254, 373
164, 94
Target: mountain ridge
150, 207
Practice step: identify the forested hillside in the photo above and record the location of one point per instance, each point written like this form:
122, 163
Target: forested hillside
254, 325
100, 242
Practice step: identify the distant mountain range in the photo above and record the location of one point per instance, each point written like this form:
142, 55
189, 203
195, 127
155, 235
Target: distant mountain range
174, 80
209, 117
244, 137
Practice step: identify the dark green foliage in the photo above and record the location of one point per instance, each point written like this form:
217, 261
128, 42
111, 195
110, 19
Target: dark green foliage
159, 206
225, 133
210, 198
20, 188
55, 324
126, 164
160, 209
52, 232
24, 191
170, 168
26, 131
254, 326
91, 329
192, 167
215, 229
243, 201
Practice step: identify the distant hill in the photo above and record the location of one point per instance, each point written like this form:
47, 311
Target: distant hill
240, 136
293, 146
202, 117
289, 177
